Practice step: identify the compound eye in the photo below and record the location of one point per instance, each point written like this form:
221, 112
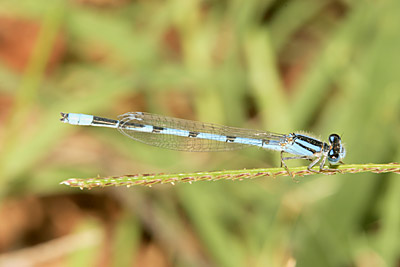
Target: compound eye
334, 138
333, 156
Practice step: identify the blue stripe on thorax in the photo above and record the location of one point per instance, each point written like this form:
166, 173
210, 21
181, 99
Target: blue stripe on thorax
304, 145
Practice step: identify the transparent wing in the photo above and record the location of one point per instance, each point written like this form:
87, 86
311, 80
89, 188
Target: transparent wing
139, 125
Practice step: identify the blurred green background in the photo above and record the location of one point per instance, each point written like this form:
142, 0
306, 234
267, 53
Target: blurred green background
318, 66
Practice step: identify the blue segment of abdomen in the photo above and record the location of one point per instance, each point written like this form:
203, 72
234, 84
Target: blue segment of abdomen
273, 145
79, 119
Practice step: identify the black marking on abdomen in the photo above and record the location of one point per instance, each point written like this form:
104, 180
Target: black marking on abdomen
193, 134
104, 121
230, 139
157, 129
135, 125
265, 142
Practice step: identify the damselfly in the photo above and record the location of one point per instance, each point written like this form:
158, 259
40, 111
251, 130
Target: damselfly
187, 135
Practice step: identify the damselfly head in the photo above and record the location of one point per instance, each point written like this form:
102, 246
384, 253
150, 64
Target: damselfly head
336, 152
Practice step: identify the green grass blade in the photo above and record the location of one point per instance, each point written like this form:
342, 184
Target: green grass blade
152, 179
